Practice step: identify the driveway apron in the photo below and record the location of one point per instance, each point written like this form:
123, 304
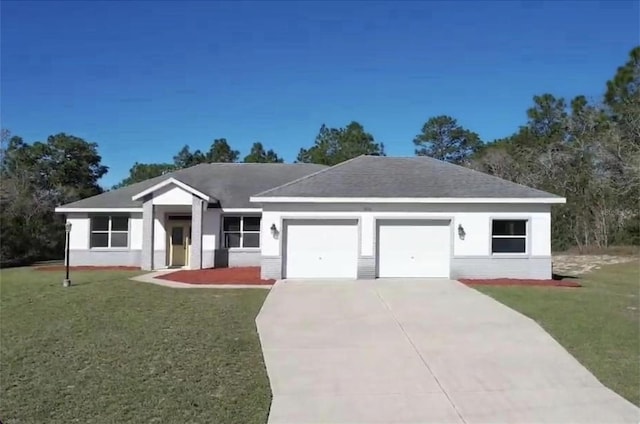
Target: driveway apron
419, 351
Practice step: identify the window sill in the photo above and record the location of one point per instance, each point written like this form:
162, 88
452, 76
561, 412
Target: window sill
242, 249
509, 255
109, 249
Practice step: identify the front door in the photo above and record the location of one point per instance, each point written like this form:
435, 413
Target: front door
180, 244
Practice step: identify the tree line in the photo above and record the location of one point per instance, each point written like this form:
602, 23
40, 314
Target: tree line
585, 150
332, 146
34, 179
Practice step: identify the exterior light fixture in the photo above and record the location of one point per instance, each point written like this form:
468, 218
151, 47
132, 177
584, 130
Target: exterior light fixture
461, 232
67, 229
274, 230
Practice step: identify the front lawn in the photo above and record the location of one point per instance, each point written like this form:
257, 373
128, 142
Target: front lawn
113, 350
598, 323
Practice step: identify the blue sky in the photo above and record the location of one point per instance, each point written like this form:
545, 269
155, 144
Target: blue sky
143, 79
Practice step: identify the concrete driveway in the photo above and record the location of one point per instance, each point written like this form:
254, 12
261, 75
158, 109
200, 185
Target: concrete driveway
419, 351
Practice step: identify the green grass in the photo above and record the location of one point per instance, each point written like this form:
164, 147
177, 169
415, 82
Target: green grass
598, 323
113, 350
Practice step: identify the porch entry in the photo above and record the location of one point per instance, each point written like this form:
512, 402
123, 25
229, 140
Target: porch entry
179, 240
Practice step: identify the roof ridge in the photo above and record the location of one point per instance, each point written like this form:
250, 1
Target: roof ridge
262, 193
248, 164
484, 174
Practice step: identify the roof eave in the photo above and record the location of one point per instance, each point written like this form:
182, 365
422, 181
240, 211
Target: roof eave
500, 200
169, 181
65, 209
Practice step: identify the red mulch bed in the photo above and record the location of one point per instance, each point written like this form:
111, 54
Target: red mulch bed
87, 268
243, 275
519, 282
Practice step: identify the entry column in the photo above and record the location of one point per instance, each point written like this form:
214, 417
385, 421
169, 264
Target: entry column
146, 260
197, 209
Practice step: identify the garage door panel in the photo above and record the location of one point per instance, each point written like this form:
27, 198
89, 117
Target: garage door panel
321, 249
414, 248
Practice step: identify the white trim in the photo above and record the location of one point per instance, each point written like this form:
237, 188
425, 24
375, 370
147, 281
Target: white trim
529, 200
241, 210
526, 237
241, 231
106, 249
62, 209
109, 232
175, 182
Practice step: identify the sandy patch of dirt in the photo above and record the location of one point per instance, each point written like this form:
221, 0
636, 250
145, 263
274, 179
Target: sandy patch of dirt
582, 264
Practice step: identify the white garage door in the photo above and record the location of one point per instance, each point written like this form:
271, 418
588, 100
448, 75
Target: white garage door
418, 248
321, 249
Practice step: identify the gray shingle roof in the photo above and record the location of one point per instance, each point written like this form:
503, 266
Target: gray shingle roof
415, 177
232, 184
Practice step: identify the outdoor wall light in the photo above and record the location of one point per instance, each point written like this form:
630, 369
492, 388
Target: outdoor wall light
274, 230
461, 232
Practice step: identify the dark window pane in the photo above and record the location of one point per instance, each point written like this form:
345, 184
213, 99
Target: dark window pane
251, 240
232, 240
179, 218
119, 223
177, 236
99, 240
251, 223
119, 239
508, 245
100, 223
231, 223
509, 228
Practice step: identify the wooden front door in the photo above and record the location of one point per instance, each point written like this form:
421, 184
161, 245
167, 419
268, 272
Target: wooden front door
179, 243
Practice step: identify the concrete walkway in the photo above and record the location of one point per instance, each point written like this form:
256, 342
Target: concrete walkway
411, 351
152, 278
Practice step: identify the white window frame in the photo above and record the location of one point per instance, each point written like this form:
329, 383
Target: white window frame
109, 231
525, 237
242, 232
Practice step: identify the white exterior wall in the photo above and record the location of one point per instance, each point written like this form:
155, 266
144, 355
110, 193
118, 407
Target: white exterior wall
474, 218
210, 236
367, 234
467, 254
541, 227
172, 200
477, 227
159, 231
82, 254
210, 229
471, 257
135, 231
80, 227
172, 195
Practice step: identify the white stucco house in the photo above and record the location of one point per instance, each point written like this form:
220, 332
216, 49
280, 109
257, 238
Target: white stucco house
368, 217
